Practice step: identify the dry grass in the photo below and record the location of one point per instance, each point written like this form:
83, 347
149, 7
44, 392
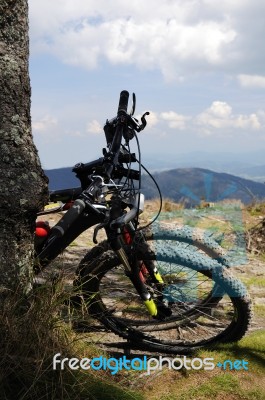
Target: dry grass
32, 331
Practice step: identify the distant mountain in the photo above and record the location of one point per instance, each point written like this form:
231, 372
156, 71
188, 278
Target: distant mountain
249, 166
256, 173
189, 185
61, 178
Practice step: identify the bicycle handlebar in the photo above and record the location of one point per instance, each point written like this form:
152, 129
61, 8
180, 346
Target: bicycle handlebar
123, 103
112, 158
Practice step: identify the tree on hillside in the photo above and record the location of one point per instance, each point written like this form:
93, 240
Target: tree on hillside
23, 185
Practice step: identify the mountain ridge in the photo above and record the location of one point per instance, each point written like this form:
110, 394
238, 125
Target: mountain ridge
191, 185
187, 185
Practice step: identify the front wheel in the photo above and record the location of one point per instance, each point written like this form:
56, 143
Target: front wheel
207, 304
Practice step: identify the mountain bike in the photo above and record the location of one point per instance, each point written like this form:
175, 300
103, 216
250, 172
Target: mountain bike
162, 289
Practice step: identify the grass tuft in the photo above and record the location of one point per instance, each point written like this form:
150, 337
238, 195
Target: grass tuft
32, 331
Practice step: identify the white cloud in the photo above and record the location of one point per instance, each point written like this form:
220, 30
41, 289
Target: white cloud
150, 44
217, 120
252, 81
44, 124
219, 116
94, 127
176, 37
175, 121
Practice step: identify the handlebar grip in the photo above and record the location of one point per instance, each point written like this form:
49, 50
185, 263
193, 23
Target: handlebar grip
72, 214
123, 103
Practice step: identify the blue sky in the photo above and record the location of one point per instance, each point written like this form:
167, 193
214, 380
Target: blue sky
196, 65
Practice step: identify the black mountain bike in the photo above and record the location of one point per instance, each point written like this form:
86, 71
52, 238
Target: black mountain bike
162, 289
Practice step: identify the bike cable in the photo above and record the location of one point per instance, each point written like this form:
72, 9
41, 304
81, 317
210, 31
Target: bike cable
140, 185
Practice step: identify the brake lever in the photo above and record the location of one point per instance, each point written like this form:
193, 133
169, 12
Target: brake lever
96, 230
144, 122
133, 105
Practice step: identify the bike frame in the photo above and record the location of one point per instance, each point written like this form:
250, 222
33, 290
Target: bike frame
54, 247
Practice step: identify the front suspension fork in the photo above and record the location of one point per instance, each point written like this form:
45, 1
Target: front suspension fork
138, 283
136, 273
